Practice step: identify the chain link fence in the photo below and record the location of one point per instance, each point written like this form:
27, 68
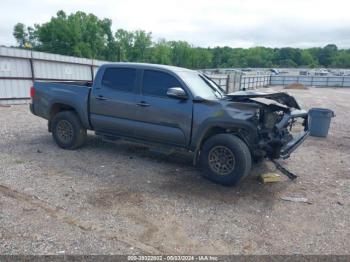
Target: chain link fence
236, 81
319, 81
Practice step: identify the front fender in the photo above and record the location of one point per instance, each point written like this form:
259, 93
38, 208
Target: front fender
243, 128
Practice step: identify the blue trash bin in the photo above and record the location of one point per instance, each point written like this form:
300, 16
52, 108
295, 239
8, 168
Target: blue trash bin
319, 121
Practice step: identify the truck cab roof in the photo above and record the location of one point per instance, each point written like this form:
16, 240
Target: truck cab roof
147, 66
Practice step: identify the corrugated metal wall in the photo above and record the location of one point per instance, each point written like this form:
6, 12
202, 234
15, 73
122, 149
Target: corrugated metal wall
18, 69
319, 81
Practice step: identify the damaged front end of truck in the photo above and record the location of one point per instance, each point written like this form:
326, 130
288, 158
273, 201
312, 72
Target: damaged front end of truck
281, 124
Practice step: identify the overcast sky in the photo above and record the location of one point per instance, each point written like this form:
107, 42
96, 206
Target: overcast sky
235, 23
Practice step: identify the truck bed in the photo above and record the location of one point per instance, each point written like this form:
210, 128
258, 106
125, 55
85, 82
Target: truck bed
74, 83
73, 94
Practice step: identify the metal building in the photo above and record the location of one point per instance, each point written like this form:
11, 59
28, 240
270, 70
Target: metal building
19, 68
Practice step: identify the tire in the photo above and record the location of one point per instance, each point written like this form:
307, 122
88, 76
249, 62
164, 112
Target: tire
67, 130
225, 159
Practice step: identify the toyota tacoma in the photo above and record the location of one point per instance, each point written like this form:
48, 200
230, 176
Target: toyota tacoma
174, 108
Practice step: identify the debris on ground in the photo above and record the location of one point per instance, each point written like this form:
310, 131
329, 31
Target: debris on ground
296, 199
284, 170
295, 86
270, 178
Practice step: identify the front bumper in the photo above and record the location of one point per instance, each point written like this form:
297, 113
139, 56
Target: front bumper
282, 140
288, 148
298, 138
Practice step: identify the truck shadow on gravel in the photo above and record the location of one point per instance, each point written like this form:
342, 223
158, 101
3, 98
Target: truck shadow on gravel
176, 176
195, 187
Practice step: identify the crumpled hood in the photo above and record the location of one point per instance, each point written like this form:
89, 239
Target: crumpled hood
280, 97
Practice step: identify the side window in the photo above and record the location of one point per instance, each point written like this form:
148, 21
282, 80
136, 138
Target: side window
122, 79
157, 83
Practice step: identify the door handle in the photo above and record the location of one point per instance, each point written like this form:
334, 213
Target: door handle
142, 103
100, 98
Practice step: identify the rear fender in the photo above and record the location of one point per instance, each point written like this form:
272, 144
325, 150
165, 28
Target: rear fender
58, 106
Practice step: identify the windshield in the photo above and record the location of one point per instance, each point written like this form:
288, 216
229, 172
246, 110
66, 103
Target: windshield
201, 85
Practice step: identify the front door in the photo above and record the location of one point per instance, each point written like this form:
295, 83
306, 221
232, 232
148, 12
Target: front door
165, 119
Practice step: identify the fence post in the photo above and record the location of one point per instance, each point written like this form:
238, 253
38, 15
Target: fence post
234, 82
240, 81
255, 82
32, 69
228, 83
342, 84
92, 72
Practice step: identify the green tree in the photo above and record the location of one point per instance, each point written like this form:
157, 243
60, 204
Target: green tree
288, 57
142, 43
124, 43
110, 50
21, 34
306, 59
259, 57
161, 53
85, 35
78, 34
181, 53
342, 59
237, 57
200, 58
327, 54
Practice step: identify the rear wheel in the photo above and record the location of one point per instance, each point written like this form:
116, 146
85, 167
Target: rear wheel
67, 130
225, 159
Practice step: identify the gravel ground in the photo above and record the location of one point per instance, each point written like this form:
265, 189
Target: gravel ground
124, 199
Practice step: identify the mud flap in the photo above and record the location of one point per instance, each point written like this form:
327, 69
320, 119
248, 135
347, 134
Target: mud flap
283, 170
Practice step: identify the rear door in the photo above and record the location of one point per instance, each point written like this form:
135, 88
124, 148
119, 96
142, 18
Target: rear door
113, 102
165, 119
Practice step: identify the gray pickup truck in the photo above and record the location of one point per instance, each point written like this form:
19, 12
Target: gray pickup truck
177, 108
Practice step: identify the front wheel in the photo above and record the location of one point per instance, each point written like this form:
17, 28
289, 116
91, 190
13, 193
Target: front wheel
225, 159
67, 130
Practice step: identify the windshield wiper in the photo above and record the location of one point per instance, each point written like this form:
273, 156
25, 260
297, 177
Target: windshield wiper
217, 90
217, 87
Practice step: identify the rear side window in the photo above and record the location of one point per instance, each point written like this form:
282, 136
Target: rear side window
122, 79
157, 83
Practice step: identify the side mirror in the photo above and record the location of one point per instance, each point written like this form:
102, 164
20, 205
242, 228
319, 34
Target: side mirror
176, 92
